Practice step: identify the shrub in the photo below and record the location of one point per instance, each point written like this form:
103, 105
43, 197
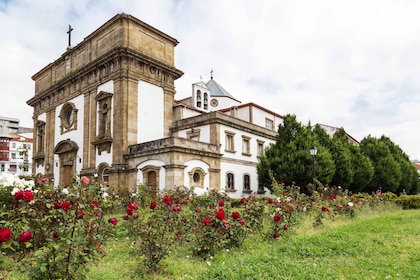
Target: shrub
55, 231
408, 201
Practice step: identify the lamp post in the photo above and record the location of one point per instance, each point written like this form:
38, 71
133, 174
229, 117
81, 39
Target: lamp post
313, 151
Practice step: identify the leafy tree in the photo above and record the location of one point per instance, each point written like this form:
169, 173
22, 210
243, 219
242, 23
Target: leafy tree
339, 148
362, 168
289, 161
387, 173
409, 180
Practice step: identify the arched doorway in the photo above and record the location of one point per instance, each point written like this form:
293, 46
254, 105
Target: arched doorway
67, 152
151, 179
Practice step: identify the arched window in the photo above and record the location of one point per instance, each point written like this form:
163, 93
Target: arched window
198, 98
206, 101
103, 172
68, 116
197, 176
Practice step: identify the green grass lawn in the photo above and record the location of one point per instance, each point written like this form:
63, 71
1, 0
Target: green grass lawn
377, 246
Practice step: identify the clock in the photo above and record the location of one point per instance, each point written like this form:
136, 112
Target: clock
214, 102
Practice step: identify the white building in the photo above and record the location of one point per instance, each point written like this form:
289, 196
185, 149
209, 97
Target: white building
15, 147
107, 107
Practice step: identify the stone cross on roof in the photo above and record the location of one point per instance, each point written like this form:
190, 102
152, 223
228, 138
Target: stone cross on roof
69, 32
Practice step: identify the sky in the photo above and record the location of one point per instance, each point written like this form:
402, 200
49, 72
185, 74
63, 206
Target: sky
349, 63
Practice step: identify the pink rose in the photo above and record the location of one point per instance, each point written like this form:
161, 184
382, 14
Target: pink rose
176, 208
85, 180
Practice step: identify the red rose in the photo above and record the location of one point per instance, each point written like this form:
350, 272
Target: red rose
125, 217
277, 217
80, 215
220, 214
276, 235
325, 209
133, 206
167, 200
4, 235
129, 211
207, 221
242, 222
99, 214
25, 236
198, 210
113, 221
236, 215
63, 205
286, 226
135, 216
153, 205
184, 202
243, 200
270, 201
94, 204
55, 235
18, 195
221, 203
28, 195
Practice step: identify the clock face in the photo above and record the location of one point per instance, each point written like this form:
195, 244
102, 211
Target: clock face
214, 102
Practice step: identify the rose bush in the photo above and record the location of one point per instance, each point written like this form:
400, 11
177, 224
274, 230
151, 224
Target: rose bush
54, 232
157, 228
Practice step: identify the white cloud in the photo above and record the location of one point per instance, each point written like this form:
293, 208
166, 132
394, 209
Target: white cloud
350, 64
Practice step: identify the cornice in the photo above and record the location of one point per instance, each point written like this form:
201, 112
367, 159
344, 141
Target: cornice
118, 63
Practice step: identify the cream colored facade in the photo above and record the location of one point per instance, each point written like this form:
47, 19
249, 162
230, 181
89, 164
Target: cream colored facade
107, 107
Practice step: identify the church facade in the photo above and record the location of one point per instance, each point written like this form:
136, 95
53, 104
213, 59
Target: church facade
107, 109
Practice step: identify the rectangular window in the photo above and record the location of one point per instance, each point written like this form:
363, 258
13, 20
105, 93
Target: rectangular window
260, 148
230, 142
247, 186
246, 146
269, 124
40, 137
230, 182
13, 155
4, 155
13, 145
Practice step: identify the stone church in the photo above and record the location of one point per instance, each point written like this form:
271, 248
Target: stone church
106, 109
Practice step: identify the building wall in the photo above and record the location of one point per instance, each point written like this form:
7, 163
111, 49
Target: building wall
150, 112
126, 62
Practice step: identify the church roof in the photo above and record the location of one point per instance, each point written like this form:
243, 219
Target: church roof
217, 90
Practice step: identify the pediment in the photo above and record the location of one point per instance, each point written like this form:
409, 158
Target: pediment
65, 146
